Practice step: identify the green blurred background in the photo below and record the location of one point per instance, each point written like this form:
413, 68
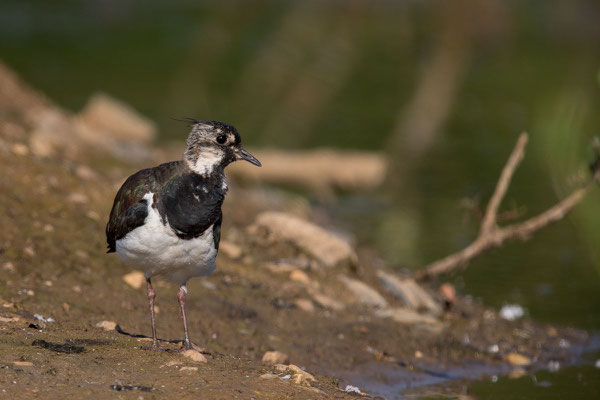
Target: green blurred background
443, 87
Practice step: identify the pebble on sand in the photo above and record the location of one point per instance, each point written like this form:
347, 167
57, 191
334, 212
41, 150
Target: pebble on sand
107, 325
364, 293
326, 301
300, 277
326, 247
517, 359
268, 376
511, 312
189, 369
275, 357
305, 305
231, 250
134, 279
22, 363
194, 355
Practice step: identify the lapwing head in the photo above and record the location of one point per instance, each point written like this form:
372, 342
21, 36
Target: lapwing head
213, 145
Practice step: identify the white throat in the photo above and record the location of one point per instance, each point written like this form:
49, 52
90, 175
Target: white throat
207, 161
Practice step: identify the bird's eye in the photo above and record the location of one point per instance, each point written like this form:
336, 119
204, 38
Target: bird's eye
221, 139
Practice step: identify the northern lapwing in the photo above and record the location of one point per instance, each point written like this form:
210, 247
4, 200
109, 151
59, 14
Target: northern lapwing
166, 220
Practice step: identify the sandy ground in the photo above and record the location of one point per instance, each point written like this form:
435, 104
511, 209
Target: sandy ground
53, 210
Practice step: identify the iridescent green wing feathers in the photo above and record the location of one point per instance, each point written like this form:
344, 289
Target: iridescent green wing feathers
130, 208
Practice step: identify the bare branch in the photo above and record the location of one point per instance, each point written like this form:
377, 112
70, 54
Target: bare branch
491, 213
490, 235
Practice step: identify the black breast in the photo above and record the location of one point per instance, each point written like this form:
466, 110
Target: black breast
191, 204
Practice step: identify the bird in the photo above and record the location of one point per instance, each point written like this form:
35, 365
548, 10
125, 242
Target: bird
166, 220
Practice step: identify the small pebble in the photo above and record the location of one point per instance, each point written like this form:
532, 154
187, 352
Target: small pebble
41, 318
553, 366
194, 355
597, 365
23, 363
511, 312
231, 250
305, 305
107, 325
172, 363
275, 357
517, 359
66, 307
134, 279
8, 266
300, 277
191, 369
517, 373
493, 348
448, 292
352, 389
20, 149
268, 376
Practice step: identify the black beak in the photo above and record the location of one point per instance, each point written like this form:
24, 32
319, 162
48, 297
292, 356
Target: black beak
244, 155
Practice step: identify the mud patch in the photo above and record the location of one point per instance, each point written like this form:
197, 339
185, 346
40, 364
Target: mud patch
57, 347
121, 388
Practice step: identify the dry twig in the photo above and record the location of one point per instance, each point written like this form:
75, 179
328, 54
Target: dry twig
490, 234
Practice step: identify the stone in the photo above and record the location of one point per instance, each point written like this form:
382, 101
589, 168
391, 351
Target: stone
279, 267
107, 325
194, 355
409, 292
9, 319
20, 149
364, 293
22, 363
517, 373
134, 279
231, 250
517, 359
324, 246
172, 363
298, 375
268, 376
8, 266
275, 357
86, 173
78, 198
326, 301
448, 293
115, 119
407, 316
305, 305
511, 312
188, 369
300, 277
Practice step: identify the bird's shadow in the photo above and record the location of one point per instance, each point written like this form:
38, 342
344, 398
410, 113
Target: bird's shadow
136, 335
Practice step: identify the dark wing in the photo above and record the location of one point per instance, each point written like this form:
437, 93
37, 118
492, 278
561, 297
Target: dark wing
217, 231
129, 208
191, 205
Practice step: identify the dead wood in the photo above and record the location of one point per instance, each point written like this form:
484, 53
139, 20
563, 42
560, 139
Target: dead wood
491, 235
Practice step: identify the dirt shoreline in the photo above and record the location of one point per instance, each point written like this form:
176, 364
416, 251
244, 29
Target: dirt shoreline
267, 294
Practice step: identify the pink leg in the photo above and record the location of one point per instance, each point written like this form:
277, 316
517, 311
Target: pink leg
151, 296
181, 298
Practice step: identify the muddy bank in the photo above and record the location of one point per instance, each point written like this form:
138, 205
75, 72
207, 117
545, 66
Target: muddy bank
274, 290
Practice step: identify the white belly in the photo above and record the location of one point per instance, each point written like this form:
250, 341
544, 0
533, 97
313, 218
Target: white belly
155, 249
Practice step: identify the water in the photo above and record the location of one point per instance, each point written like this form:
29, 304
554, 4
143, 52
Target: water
304, 74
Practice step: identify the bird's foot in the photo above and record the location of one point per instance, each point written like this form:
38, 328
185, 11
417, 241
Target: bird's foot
191, 346
153, 347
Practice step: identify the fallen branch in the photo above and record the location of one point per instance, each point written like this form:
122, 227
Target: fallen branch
490, 234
